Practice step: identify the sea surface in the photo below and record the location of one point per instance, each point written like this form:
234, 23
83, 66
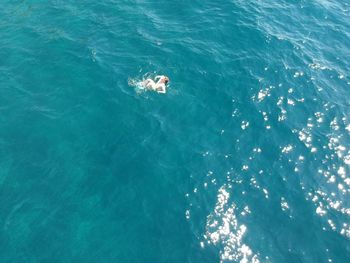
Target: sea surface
246, 158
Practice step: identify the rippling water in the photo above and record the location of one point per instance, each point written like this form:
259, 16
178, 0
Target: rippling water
245, 159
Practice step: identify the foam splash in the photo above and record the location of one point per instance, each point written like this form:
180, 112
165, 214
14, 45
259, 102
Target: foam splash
137, 84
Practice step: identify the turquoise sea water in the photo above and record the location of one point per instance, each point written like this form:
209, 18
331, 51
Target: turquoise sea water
245, 159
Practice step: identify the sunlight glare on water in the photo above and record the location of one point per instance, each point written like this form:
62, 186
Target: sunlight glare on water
246, 158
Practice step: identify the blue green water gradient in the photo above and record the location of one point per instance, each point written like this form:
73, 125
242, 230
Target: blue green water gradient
245, 159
